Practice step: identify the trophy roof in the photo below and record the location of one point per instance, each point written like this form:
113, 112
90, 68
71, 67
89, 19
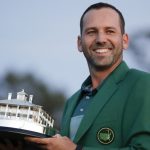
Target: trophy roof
18, 102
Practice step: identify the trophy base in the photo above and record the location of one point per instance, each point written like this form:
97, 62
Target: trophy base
7, 132
14, 135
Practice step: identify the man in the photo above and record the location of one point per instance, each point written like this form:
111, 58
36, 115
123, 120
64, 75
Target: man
111, 110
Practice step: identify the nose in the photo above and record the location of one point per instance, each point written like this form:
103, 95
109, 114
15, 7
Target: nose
100, 38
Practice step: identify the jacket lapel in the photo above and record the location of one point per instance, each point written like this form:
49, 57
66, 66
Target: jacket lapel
108, 88
96, 105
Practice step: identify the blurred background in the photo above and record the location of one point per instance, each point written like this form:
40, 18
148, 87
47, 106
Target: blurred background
38, 51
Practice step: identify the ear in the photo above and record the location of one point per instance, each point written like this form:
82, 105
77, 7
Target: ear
125, 41
79, 43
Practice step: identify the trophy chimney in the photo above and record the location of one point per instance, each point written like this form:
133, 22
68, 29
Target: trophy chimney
30, 98
9, 96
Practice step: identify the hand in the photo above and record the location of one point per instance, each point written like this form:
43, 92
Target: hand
56, 142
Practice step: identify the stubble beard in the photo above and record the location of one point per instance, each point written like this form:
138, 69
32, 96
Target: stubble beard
101, 63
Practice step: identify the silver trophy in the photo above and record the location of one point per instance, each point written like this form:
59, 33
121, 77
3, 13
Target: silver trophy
20, 117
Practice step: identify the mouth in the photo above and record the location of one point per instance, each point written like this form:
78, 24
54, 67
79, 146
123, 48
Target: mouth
102, 50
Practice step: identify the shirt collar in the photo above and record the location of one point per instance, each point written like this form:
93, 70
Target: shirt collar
86, 87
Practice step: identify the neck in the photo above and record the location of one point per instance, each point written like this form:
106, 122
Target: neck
98, 76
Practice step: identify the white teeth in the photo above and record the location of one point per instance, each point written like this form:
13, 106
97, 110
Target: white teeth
102, 50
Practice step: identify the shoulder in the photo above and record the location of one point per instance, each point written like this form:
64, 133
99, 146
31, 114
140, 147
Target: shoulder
139, 75
141, 82
139, 72
139, 89
136, 82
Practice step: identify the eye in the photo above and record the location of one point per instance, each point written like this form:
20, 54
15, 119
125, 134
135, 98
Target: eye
91, 32
110, 31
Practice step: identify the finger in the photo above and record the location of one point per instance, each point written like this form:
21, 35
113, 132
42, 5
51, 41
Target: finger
38, 140
57, 136
32, 139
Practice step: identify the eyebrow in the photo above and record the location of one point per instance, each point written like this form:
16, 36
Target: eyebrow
90, 28
111, 28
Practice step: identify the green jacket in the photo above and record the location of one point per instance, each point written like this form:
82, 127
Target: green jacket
118, 117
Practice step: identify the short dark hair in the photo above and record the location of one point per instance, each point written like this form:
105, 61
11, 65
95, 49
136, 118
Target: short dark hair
103, 5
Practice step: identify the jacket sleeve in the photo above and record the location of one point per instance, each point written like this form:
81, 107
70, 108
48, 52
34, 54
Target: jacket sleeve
63, 119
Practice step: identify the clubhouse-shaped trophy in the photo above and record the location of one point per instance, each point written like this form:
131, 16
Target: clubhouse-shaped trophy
20, 117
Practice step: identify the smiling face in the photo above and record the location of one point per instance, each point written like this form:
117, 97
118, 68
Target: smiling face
102, 41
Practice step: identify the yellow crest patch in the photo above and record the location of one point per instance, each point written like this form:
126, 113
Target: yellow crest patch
105, 135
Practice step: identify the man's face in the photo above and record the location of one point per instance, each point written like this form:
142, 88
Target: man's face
102, 41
